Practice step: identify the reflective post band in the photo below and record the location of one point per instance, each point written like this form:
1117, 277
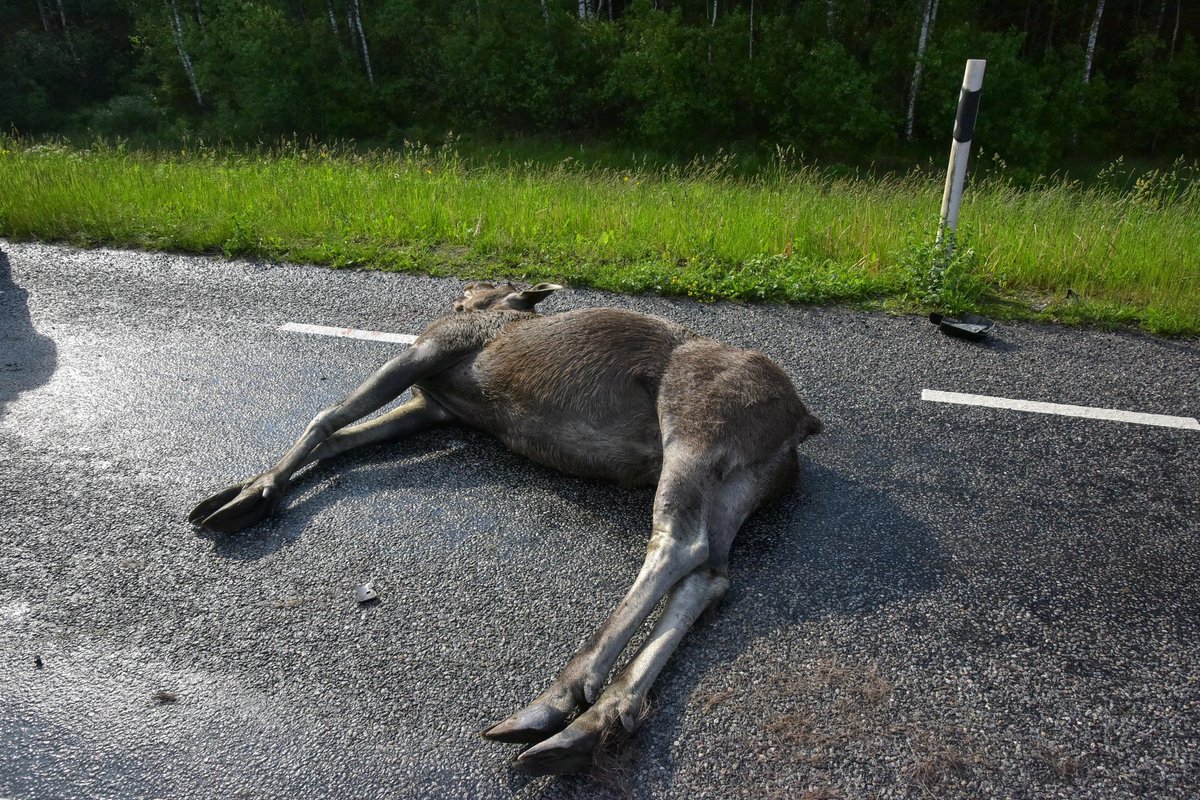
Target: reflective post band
960, 147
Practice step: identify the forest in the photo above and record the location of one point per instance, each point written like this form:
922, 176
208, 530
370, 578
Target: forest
852, 81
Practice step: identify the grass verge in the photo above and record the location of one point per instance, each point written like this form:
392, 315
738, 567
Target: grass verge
1103, 255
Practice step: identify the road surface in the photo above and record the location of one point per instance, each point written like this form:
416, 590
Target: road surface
958, 601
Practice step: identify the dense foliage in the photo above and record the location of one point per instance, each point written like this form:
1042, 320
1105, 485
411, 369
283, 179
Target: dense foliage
828, 77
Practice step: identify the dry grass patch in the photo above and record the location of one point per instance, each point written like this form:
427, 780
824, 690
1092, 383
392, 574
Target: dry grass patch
829, 718
710, 701
934, 762
614, 758
1063, 766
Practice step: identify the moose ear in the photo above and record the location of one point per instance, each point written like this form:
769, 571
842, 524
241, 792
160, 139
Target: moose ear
473, 288
527, 299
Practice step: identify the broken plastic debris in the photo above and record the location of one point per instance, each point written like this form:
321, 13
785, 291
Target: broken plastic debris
365, 593
967, 326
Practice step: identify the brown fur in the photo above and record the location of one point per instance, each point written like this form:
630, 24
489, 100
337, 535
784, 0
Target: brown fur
600, 393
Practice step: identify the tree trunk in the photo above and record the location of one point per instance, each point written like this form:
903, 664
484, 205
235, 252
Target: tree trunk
927, 22
712, 26
1087, 65
362, 40
184, 58
830, 15
333, 22
583, 9
1175, 33
751, 30
42, 14
546, 12
1091, 45
62, 16
1025, 38
199, 12
1050, 27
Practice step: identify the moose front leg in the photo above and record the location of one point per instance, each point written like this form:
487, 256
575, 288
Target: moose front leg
243, 504
411, 417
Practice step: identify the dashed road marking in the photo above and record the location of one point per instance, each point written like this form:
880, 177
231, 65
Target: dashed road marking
930, 395
1137, 417
349, 333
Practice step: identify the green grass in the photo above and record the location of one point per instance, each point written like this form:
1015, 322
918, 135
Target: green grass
792, 232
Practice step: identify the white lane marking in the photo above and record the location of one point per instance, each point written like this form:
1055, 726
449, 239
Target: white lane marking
350, 333
1165, 420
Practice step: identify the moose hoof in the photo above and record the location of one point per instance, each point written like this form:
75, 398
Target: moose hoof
531, 724
568, 752
237, 507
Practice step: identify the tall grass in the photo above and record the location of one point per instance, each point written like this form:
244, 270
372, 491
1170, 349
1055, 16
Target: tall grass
793, 232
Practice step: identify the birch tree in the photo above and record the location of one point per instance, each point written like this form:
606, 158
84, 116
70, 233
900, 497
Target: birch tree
333, 22
42, 14
184, 58
1091, 45
362, 40
1050, 28
926, 27
1175, 33
751, 30
830, 15
62, 17
712, 27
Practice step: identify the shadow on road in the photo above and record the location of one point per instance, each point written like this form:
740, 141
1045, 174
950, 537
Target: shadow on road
27, 359
356, 477
832, 547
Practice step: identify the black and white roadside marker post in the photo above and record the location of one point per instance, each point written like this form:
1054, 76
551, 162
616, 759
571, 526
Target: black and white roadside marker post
967, 326
960, 148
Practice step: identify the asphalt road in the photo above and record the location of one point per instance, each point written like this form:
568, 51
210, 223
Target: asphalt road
957, 602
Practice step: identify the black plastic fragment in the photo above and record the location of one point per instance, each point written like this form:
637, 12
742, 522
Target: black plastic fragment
967, 326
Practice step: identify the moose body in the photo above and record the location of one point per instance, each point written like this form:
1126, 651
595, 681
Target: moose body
599, 393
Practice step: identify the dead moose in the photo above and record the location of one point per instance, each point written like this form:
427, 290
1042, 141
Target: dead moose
600, 393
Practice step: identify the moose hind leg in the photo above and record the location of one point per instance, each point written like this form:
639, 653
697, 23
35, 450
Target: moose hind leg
621, 704
679, 543
623, 701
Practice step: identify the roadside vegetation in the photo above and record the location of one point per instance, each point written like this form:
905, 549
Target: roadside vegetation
854, 81
1069, 86
1121, 250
